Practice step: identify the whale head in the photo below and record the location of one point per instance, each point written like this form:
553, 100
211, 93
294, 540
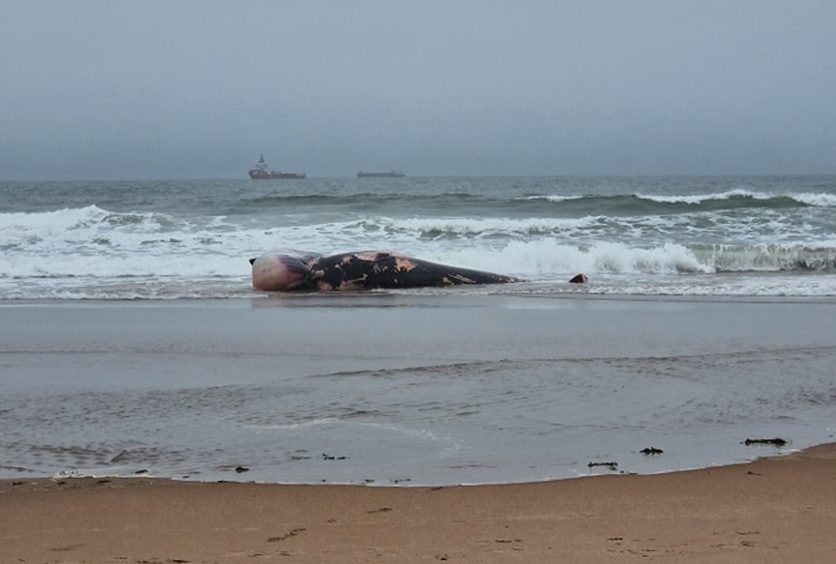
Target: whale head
279, 273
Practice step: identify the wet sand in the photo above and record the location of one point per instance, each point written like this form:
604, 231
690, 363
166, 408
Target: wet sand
430, 389
771, 510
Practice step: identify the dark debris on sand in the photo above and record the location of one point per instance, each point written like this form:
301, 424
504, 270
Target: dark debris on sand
777, 441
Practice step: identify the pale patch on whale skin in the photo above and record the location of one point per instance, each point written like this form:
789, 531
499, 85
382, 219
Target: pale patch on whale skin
462, 279
370, 256
404, 264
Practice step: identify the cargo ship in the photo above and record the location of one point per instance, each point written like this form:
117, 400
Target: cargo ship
387, 174
261, 171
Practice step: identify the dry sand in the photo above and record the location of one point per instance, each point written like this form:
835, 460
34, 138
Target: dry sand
772, 510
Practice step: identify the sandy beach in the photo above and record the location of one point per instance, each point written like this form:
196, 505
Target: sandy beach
772, 510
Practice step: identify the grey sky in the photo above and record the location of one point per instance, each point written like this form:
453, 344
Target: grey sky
188, 88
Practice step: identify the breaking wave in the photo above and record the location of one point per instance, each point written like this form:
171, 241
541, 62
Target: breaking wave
658, 203
545, 260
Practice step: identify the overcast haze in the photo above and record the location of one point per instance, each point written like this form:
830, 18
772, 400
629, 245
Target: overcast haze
198, 89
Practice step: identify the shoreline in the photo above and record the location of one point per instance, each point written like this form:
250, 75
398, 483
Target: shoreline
775, 509
597, 469
241, 474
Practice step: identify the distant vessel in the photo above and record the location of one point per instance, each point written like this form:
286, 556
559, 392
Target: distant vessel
262, 171
388, 174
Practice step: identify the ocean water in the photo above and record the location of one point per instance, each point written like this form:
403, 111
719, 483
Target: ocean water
709, 318
693, 236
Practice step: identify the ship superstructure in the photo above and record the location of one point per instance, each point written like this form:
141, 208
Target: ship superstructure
262, 171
